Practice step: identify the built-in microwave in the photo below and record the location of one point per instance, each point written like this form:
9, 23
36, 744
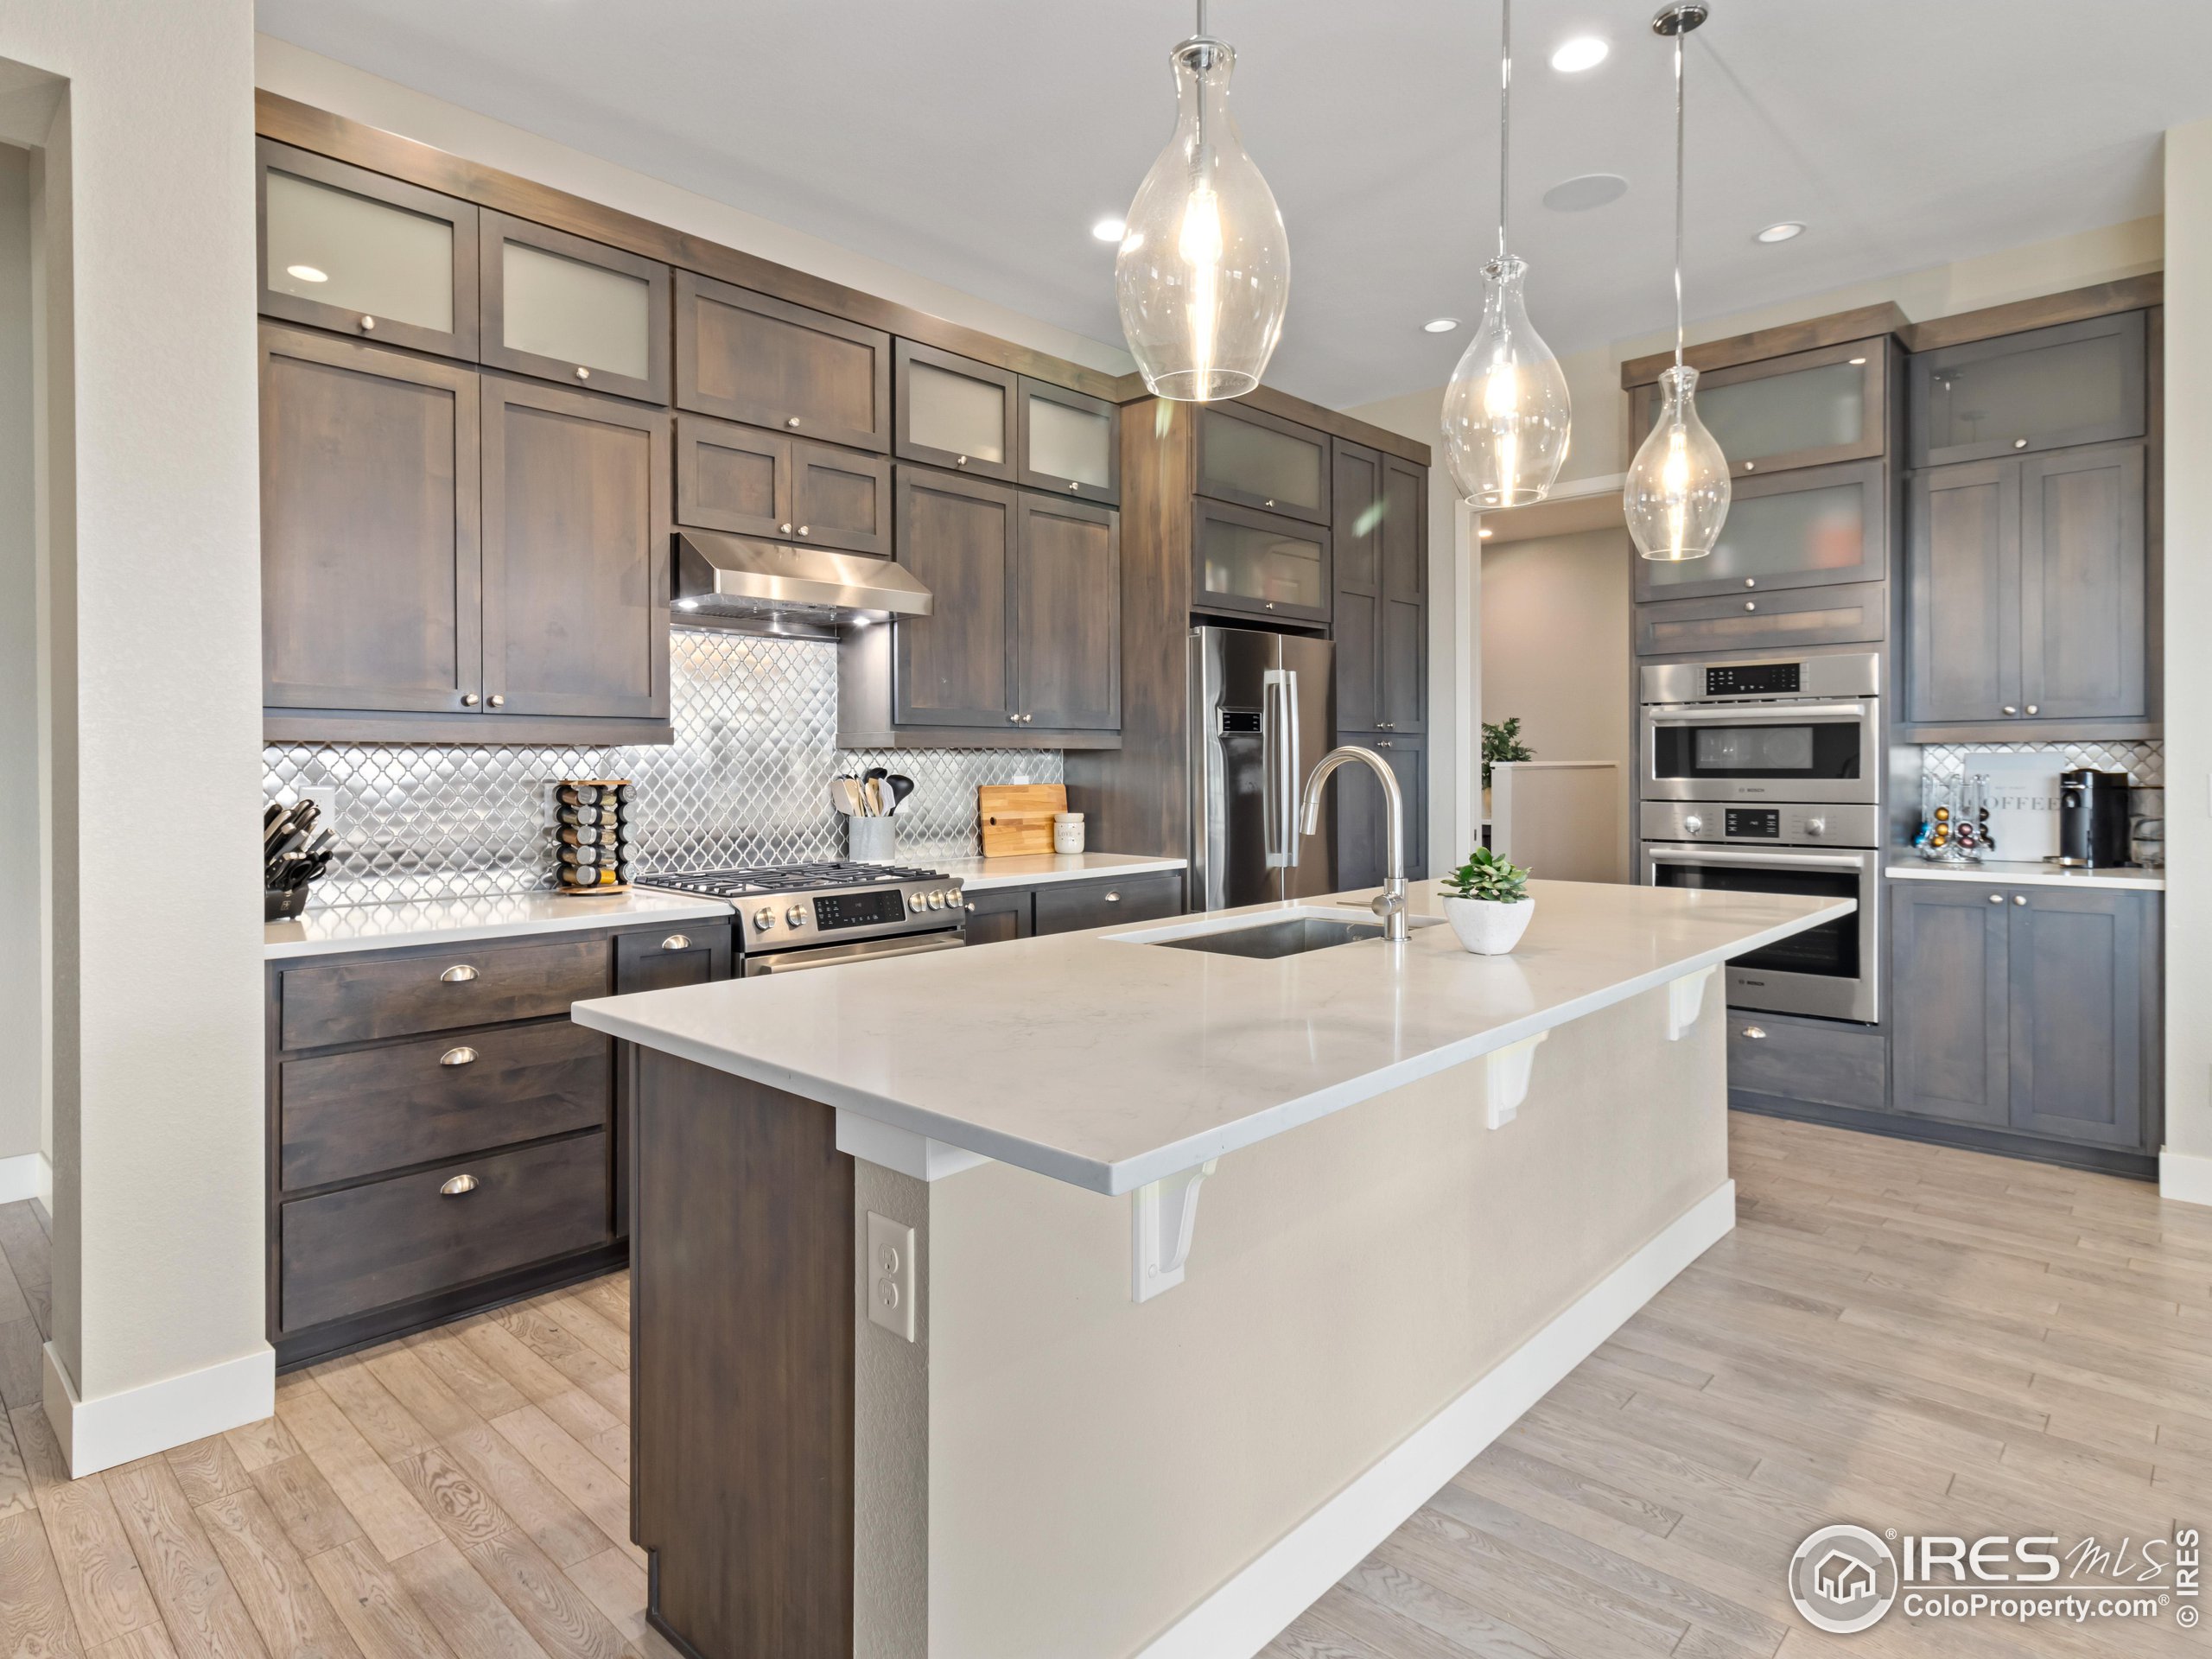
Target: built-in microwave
1804, 729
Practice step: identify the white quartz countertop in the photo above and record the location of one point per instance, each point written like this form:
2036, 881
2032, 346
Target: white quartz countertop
1036, 869
1108, 1063
1906, 868
433, 921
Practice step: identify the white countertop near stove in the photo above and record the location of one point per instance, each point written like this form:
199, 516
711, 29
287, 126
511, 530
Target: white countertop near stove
1907, 868
1036, 869
1136, 1062
435, 921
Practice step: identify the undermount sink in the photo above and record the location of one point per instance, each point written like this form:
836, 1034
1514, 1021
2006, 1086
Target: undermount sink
1271, 938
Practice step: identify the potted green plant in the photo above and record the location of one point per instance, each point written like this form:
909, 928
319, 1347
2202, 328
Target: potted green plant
1486, 901
1501, 742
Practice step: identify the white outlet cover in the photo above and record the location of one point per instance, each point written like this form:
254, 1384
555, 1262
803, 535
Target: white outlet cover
325, 796
891, 1277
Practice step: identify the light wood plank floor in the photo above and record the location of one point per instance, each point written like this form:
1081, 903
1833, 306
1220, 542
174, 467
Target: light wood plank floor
1895, 1334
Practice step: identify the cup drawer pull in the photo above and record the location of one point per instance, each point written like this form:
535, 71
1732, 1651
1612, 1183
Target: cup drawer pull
1756, 1034
1113, 898
462, 1056
459, 975
457, 1187
677, 942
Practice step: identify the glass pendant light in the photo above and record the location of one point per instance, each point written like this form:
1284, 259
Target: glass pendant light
1677, 494
1203, 277
1506, 415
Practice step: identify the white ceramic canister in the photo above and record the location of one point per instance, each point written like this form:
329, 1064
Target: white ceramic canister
1067, 832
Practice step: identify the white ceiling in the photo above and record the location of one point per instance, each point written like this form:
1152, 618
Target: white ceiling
975, 141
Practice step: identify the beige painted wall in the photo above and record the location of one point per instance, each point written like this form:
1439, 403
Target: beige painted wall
1554, 632
152, 650
1098, 1466
23, 1039
2188, 668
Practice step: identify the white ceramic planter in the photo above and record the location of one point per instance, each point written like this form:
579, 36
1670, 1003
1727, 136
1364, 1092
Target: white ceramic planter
1486, 927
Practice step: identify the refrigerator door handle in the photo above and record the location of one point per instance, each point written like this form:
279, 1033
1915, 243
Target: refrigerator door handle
1275, 829
1292, 773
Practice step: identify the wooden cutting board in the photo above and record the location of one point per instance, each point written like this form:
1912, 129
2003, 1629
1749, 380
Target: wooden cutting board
1018, 818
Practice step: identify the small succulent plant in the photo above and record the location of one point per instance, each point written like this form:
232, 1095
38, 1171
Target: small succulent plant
1485, 876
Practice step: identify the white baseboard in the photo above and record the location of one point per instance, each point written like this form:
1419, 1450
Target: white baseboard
115, 1428
2184, 1176
44, 1199
21, 1178
1252, 1609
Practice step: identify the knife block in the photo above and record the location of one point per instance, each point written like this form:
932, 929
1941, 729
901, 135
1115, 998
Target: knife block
592, 835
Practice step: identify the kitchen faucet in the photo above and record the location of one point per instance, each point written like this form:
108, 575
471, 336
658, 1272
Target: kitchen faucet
1390, 904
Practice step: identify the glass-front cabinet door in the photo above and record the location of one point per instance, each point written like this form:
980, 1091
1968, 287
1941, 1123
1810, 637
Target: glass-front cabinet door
364, 255
2046, 389
1806, 410
1069, 443
1258, 461
560, 307
1789, 530
953, 411
1257, 562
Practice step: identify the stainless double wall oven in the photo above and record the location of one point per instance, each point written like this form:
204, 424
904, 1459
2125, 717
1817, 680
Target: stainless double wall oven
1765, 776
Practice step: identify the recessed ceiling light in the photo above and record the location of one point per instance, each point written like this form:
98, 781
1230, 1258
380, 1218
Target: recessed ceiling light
307, 273
1485, 532
1110, 230
1583, 52
1579, 195
1782, 232
1440, 325
1856, 361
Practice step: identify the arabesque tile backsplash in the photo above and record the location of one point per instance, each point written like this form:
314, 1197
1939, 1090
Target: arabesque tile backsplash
745, 782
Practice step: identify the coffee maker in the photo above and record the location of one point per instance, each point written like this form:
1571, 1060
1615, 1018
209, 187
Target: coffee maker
2092, 818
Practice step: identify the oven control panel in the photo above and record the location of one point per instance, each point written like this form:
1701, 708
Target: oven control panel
1808, 825
1754, 679
864, 909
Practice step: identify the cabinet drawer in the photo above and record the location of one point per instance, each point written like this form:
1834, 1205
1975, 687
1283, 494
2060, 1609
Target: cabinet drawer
346, 1115
400, 997
683, 953
1816, 1060
1075, 905
1819, 616
390, 1240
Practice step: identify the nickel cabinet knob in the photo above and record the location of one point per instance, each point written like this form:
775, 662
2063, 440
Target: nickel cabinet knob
2031, 707
2019, 897
791, 420
2020, 443
2010, 709
457, 1187
368, 325
802, 530
1996, 897
497, 702
1750, 605
582, 373
787, 528
468, 699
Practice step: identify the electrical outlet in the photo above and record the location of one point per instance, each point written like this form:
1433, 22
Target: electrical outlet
325, 796
890, 1275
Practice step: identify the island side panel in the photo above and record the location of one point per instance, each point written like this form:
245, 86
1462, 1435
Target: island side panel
1099, 1467
742, 1373
891, 1437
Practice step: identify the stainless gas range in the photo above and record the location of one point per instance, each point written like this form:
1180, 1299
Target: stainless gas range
791, 917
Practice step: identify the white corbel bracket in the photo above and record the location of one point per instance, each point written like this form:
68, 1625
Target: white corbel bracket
1163, 1216
1685, 1000
1505, 1079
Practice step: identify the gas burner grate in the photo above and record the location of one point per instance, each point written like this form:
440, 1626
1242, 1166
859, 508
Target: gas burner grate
784, 878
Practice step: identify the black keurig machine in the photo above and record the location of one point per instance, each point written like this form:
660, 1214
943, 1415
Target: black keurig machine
2092, 816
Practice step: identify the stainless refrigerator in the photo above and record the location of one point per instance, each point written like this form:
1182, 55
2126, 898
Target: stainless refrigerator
1263, 713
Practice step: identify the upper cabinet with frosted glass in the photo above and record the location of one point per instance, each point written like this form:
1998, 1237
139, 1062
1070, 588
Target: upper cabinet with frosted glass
953, 411
1069, 443
560, 307
1808, 408
364, 255
1258, 459
2044, 388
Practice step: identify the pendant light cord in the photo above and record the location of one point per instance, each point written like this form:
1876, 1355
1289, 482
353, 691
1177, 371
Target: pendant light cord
1678, 200
1202, 17
1505, 117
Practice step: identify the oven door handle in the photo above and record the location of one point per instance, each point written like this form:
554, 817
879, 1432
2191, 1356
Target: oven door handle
1763, 861
798, 962
1706, 714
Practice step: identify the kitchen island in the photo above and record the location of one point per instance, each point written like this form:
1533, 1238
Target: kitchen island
937, 1352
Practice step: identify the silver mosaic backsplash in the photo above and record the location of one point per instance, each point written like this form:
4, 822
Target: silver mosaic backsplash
2145, 763
745, 782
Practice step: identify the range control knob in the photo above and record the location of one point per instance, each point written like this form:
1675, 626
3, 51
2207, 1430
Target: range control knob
764, 919
1816, 826
796, 915
1692, 824
934, 901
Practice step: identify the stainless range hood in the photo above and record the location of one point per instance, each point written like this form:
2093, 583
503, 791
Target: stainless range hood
794, 592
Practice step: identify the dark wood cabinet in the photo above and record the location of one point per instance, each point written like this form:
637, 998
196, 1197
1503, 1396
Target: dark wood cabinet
748, 357
2034, 1010
1067, 607
2080, 383
576, 567
1257, 460
441, 1137
952, 411
955, 666
1404, 546
1809, 528
1806, 409
1258, 564
1071, 906
371, 567
1362, 824
2026, 601
364, 255
753, 482
563, 308
1069, 443
996, 915
1841, 615
1356, 539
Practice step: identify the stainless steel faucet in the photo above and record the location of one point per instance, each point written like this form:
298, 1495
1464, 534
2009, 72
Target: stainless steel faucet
1391, 905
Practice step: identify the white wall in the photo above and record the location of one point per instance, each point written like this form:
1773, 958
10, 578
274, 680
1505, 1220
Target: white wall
1555, 650
2186, 1169
22, 1042
151, 652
